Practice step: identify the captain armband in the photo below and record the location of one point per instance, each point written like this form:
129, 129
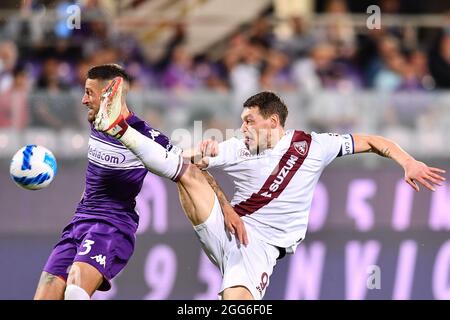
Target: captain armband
348, 145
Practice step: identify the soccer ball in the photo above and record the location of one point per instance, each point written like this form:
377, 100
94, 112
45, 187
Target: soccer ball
33, 167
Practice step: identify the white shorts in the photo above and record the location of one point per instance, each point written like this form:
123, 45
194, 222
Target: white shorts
249, 266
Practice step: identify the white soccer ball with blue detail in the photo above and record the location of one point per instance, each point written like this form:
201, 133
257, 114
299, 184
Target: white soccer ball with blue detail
33, 167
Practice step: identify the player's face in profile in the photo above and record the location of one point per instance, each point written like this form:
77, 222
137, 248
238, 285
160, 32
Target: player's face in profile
256, 129
91, 97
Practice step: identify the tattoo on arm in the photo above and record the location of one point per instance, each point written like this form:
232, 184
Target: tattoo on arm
383, 152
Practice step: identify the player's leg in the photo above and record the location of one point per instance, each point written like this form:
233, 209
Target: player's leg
104, 251
245, 269
82, 281
52, 282
248, 269
196, 195
237, 293
50, 287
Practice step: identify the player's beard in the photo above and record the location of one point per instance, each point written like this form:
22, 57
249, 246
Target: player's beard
251, 145
92, 112
91, 115
261, 141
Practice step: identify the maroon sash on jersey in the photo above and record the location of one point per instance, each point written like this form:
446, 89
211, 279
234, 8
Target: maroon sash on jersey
289, 163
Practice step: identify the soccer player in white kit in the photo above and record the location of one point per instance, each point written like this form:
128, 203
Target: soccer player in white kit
274, 171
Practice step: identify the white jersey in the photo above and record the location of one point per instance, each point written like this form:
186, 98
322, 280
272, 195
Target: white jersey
274, 189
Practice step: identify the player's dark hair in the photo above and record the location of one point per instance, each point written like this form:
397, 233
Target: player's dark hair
269, 103
108, 72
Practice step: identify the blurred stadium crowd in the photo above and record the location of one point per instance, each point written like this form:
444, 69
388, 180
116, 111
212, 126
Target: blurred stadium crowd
43, 66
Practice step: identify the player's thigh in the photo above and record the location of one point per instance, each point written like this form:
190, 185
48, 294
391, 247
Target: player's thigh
213, 237
251, 267
103, 253
53, 279
237, 293
85, 276
50, 287
196, 195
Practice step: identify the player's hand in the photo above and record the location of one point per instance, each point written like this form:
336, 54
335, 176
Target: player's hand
235, 225
416, 171
209, 148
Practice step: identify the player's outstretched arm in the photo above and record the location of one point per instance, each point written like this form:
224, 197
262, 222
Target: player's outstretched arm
415, 171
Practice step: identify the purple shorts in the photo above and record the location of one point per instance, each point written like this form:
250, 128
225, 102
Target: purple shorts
98, 243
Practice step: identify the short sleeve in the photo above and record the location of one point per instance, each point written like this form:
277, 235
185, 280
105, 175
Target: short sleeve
334, 145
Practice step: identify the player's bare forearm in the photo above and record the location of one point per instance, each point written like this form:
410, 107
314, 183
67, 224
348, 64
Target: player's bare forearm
233, 222
381, 146
415, 171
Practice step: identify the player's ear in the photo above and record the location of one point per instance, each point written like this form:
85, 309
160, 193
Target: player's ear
274, 121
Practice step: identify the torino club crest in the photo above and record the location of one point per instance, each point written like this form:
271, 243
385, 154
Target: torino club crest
301, 147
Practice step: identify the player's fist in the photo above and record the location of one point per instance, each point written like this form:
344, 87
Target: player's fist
209, 148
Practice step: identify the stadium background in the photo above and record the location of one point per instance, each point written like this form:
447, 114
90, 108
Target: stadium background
193, 63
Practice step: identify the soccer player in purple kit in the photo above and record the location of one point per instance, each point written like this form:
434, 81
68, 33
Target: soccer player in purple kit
98, 242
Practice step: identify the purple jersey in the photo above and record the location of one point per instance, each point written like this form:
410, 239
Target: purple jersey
114, 177
102, 230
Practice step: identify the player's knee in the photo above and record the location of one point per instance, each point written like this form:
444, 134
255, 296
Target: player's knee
190, 174
74, 292
237, 293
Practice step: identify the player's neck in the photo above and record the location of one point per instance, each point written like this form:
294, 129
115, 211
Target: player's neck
275, 137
